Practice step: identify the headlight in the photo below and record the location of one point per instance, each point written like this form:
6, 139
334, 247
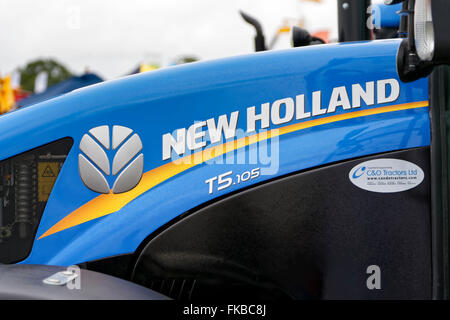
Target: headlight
423, 30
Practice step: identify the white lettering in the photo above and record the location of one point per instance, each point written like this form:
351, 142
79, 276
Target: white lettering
339, 98
275, 112
367, 95
300, 107
252, 117
381, 90
316, 106
193, 135
178, 144
223, 125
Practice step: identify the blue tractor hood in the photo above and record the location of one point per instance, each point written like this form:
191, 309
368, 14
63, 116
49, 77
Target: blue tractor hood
310, 106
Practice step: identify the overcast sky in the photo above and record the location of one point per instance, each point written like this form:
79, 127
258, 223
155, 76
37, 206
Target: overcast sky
111, 37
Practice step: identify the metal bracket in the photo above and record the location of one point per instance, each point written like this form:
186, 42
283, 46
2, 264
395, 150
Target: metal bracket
60, 278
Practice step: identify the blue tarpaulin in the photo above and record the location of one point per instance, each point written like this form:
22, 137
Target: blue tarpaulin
61, 88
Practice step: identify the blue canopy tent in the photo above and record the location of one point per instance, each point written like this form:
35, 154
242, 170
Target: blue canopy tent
60, 88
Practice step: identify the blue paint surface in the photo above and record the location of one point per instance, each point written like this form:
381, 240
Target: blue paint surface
162, 101
389, 16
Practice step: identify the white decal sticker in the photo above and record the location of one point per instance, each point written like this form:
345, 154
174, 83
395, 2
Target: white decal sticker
386, 175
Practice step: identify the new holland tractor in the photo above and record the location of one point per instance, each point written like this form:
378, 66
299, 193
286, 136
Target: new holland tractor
318, 172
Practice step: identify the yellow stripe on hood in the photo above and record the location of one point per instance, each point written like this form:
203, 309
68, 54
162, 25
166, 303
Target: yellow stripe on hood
106, 204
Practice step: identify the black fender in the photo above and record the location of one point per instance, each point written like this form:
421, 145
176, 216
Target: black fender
312, 234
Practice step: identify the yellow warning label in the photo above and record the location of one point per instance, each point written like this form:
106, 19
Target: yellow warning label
47, 173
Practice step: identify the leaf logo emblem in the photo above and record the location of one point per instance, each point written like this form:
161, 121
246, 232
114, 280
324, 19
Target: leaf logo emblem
124, 171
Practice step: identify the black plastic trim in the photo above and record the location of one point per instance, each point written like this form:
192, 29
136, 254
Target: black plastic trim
298, 233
